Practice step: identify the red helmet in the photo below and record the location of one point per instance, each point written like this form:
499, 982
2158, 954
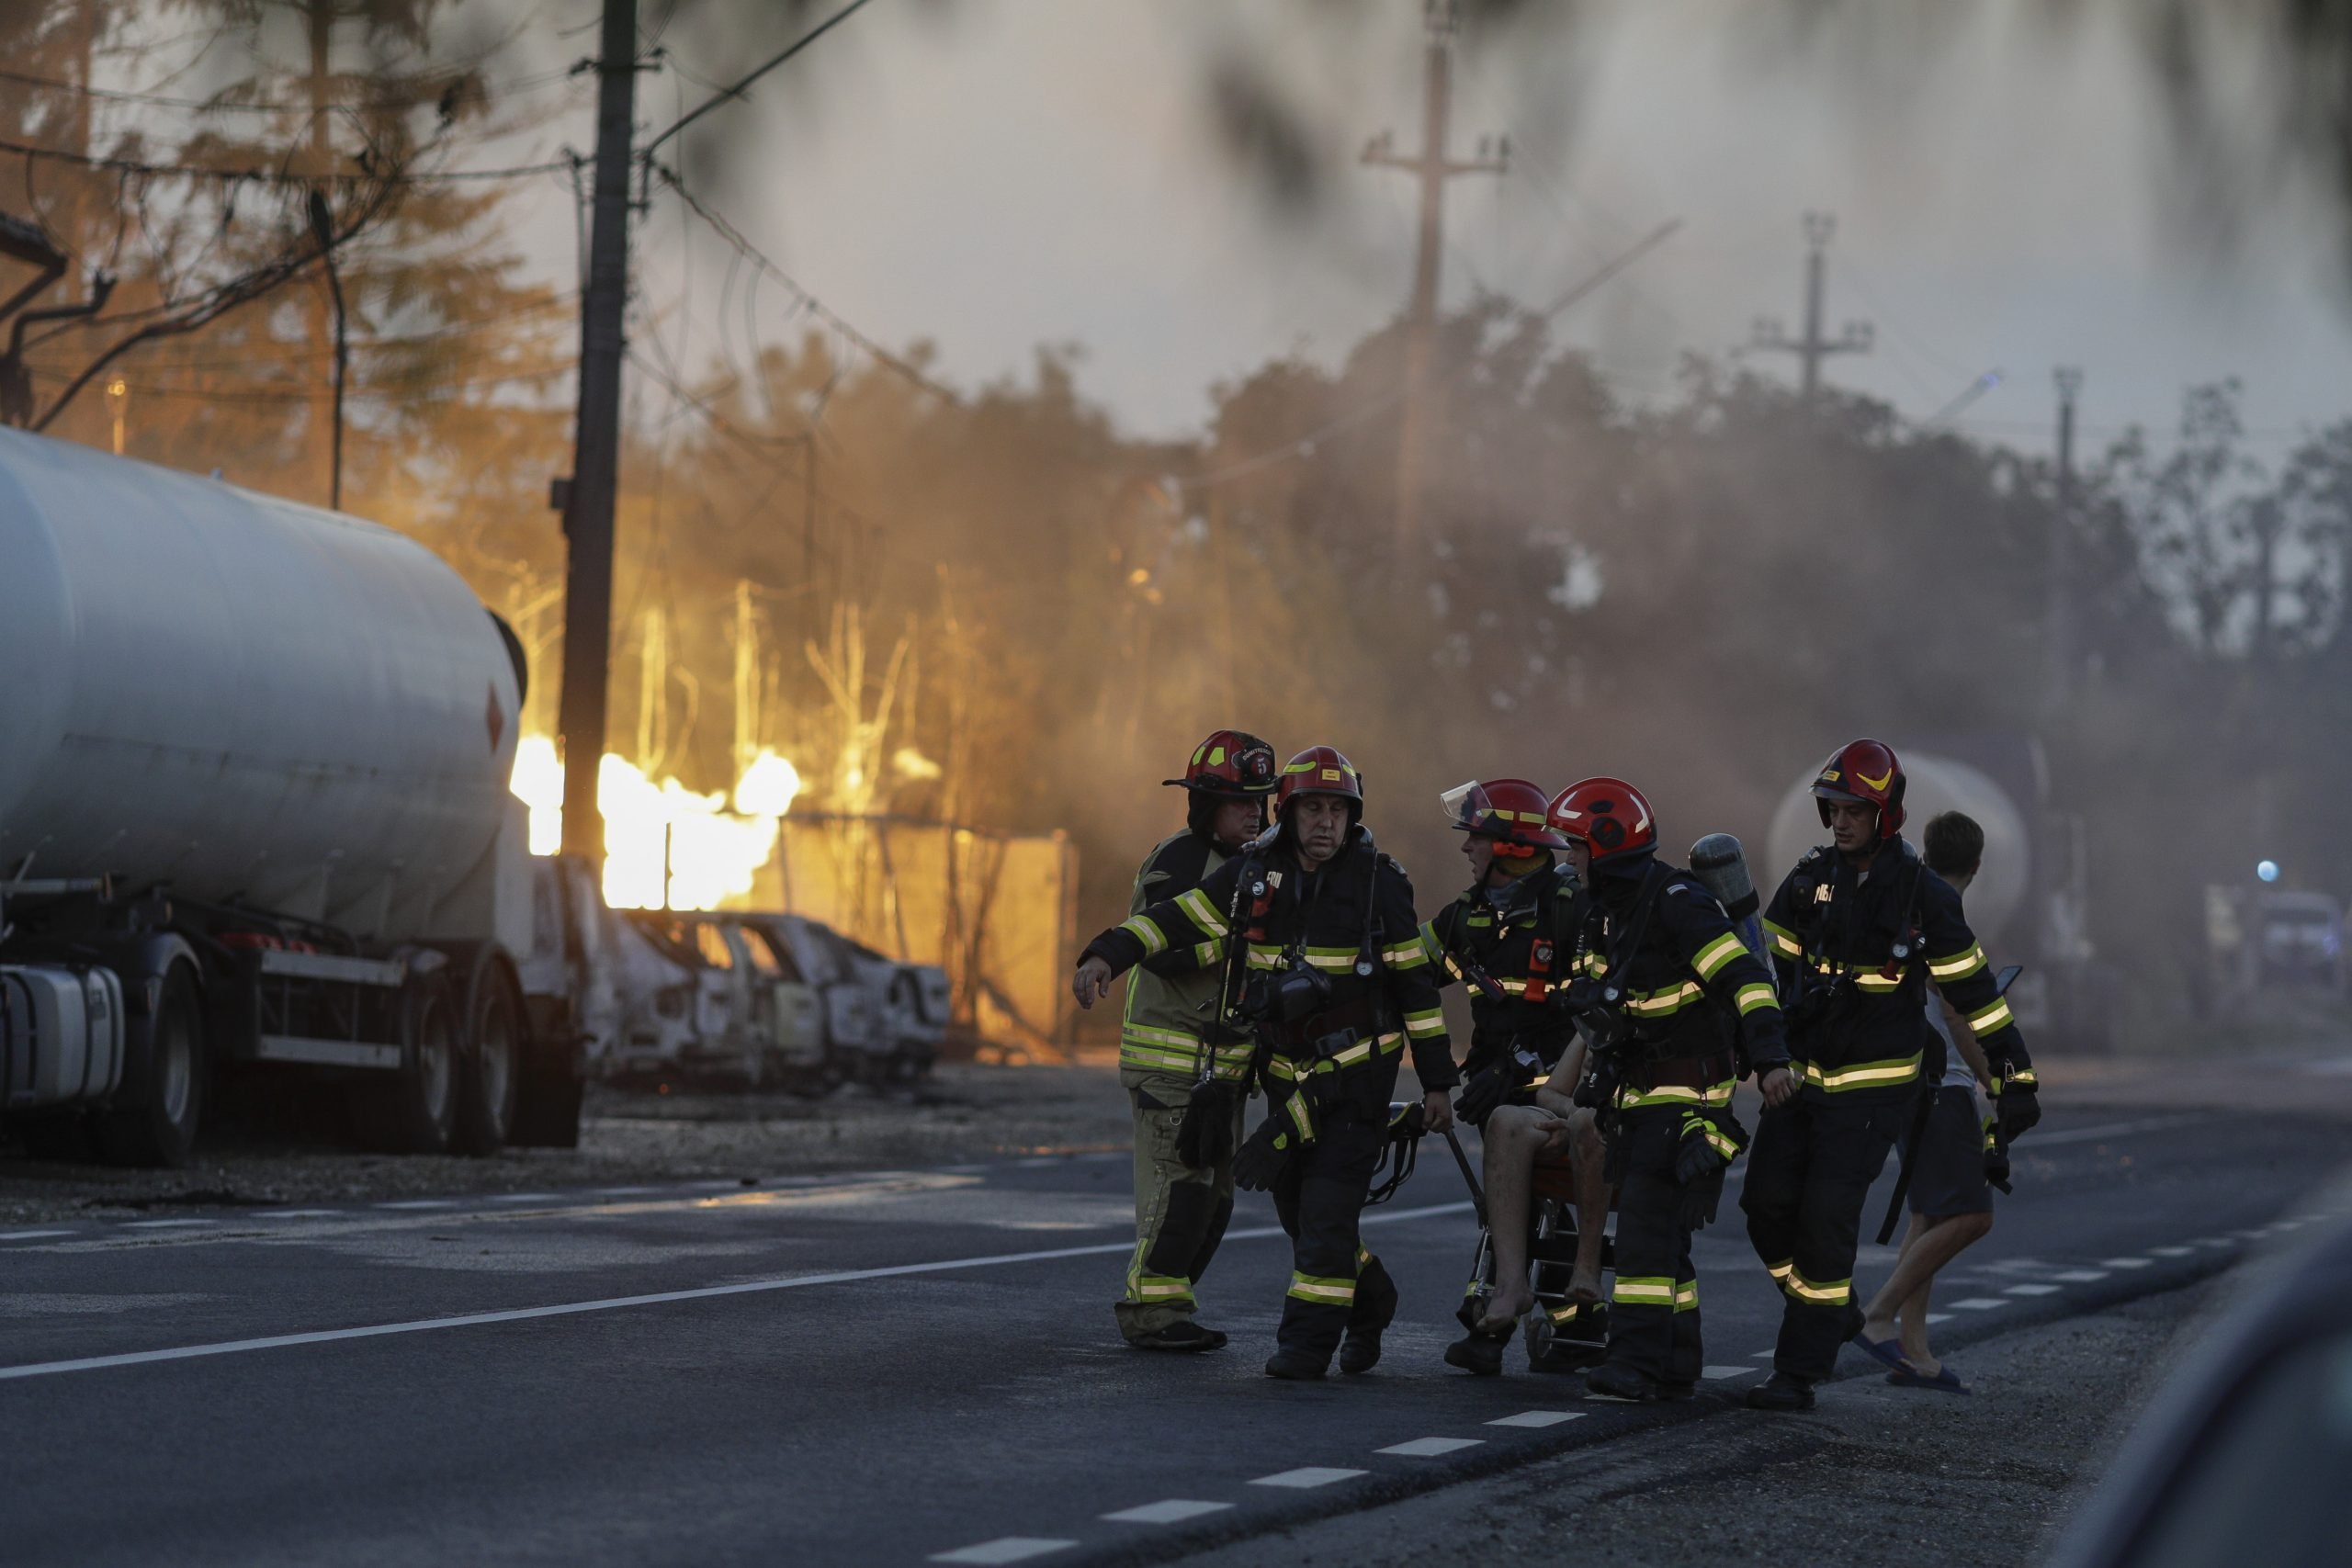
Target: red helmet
1230, 762
1864, 772
1319, 770
1609, 816
1510, 811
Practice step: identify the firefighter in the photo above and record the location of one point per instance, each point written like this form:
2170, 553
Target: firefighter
1508, 937
1678, 1009
1857, 930
1324, 963
1175, 1054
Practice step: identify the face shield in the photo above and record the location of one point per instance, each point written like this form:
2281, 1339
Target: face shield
1467, 807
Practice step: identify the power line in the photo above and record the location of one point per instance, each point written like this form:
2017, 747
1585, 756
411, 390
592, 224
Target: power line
815, 306
272, 176
725, 94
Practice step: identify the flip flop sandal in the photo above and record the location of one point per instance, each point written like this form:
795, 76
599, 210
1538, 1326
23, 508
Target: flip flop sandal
1888, 1353
1946, 1380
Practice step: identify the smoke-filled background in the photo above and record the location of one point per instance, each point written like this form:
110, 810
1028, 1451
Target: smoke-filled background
1015, 389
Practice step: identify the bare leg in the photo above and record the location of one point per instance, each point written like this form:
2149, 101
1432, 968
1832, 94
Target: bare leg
1937, 1243
1590, 1154
1878, 1317
1512, 1141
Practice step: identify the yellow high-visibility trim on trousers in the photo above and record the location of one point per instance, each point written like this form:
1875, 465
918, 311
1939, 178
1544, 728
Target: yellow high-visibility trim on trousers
1643, 1292
1832, 1292
1686, 1295
1862, 1075
1322, 1292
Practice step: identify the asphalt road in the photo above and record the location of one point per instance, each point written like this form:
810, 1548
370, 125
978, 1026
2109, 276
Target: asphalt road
884, 1366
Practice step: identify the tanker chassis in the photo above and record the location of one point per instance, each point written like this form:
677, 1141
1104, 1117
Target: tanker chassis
255, 819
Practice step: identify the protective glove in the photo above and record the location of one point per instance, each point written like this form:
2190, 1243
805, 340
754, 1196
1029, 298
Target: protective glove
1261, 1156
1996, 1156
1704, 1155
2016, 1110
1489, 1087
1206, 1136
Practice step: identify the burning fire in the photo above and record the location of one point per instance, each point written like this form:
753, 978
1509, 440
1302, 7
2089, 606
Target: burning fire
708, 852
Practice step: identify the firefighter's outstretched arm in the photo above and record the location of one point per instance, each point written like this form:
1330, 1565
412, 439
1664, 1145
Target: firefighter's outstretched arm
1193, 919
1704, 937
1957, 964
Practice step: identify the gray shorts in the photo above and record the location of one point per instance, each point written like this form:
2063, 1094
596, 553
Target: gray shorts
1948, 1171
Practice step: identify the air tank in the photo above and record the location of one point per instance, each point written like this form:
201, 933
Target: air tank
241, 697
1937, 783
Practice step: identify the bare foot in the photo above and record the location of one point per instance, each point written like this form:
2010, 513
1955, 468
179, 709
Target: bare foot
1504, 1307
1584, 1285
1879, 1330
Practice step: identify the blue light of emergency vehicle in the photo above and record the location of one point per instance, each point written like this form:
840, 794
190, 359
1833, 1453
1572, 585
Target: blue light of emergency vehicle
2267, 871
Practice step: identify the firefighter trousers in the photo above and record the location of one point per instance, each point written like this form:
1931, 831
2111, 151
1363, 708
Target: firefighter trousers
1335, 1283
1809, 1173
1180, 1210
1653, 1305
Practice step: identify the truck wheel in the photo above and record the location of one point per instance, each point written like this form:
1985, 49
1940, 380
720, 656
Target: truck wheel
490, 1067
153, 1117
415, 1108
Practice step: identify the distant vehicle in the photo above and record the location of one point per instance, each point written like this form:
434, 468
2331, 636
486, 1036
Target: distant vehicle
788, 1010
658, 989
915, 1002
857, 1045
255, 817
2243, 1456
2265, 940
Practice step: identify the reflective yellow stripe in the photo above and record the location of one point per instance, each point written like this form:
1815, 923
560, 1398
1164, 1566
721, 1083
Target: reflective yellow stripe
1833, 1292
1686, 1295
1629, 1098
1958, 966
1659, 1003
1200, 912
1877, 982
1781, 1271
1991, 1020
1265, 955
1159, 1287
2023, 1077
1784, 941
1721, 1143
1410, 955
1754, 997
1422, 1025
1863, 1074
1650, 1291
1208, 953
1309, 1288
1717, 954
1147, 931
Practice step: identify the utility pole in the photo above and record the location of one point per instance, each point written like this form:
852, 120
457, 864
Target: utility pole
1813, 348
596, 458
2059, 632
1431, 168
319, 17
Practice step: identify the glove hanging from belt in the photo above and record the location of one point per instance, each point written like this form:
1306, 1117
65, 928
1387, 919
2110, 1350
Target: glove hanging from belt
1206, 1136
1709, 1144
1288, 1127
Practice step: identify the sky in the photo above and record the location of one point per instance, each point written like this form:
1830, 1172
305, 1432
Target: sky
991, 175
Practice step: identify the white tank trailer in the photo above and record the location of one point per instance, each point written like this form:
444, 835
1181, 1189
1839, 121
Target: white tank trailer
253, 814
2026, 906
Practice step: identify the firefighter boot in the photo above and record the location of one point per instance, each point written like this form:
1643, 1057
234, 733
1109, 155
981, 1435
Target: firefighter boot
1614, 1380
1183, 1335
1781, 1391
1295, 1366
1375, 1308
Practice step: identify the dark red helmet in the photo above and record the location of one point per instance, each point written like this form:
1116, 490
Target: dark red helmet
1319, 770
1865, 773
1610, 817
1231, 762
1513, 812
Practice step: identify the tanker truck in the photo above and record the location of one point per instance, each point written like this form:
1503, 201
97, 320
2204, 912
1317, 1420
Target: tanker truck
2028, 905
254, 820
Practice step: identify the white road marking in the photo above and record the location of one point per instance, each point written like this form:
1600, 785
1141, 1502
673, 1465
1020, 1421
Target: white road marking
657, 1298
2081, 1276
1004, 1549
1539, 1418
295, 1213
718, 1186
165, 1224
1307, 1476
1719, 1374
2030, 1290
420, 1204
2123, 1263
1939, 1317
1174, 1511
1762, 1355
2110, 1129
621, 1191
1978, 1303
526, 1198
29, 1235
2173, 1251
1428, 1447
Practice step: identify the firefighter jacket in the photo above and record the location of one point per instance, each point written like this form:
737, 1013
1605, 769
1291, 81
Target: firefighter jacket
1351, 922
1690, 991
1855, 947
1522, 939
1170, 1027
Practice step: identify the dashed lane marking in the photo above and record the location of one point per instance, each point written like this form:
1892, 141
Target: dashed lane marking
1936, 1318
2030, 1290
1174, 1511
29, 1235
2173, 1251
2081, 1276
166, 1224
420, 1204
1307, 1476
657, 1298
1539, 1418
296, 1213
1761, 1355
1979, 1304
2123, 1263
527, 1198
1429, 1448
1004, 1549
1716, 1374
